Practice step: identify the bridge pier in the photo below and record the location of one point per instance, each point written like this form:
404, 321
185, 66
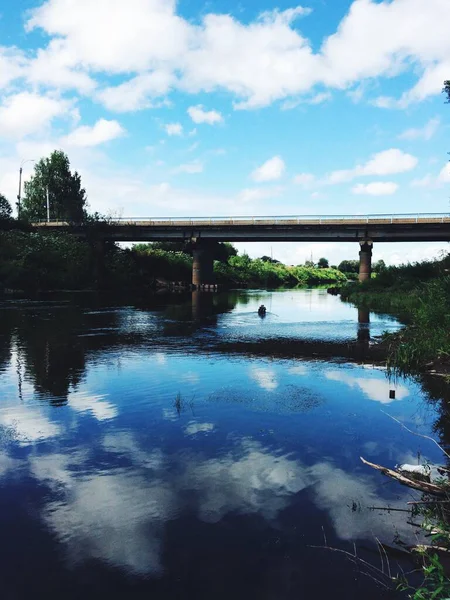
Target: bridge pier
363, 325
365, 260
203, 264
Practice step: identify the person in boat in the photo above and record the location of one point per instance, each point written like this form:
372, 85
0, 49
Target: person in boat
262, 310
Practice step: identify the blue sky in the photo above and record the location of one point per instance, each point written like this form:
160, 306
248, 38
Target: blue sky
228, 108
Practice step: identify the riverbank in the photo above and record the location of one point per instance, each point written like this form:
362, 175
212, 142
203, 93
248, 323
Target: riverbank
419, 295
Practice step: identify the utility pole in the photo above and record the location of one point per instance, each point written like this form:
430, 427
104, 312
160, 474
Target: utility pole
19, 195
48, 208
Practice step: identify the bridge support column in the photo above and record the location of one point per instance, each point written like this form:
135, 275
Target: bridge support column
363, 325
365, 260
203, 265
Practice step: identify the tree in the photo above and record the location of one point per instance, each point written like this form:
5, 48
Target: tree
269, 259
67, 199
5, 208
446, 90
223, 251
379, 266
323, 263
310, 264
349, 266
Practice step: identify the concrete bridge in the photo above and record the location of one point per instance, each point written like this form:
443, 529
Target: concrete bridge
204, 231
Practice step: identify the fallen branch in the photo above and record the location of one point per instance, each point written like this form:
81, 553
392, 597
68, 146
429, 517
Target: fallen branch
422, 548
389, 509
373, 572
423, 486
426, 437
430, 502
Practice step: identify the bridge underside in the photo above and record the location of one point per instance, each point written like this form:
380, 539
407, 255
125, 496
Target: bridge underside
282, 233
203, 233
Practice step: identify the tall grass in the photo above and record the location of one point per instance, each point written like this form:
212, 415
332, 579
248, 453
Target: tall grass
420, 293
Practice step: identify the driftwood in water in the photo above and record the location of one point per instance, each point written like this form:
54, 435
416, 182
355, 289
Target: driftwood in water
422, 486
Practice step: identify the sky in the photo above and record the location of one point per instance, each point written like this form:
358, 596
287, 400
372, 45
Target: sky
214, 108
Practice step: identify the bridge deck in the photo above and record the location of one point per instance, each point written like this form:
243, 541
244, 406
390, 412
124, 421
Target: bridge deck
412, 227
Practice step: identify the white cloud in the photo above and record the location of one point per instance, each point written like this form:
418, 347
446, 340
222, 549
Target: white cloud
191, 168
266, 378
12, 65
53, 67
27, 113
433, 181
137, 93
382, 39
421, 133
101, 409
103, 131
444, 175
388, 162
194, 428
426, 181
198, 115
376, 188
115, 37
119, 515
431, 81
384, 102
174, 129
374, 388
258, 62
28, 425
319, 98
304, 179
272, 169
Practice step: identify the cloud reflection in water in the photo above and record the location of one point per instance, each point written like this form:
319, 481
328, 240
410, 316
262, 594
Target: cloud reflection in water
374, 388
119, 515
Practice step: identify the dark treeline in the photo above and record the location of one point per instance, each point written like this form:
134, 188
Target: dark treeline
31, 262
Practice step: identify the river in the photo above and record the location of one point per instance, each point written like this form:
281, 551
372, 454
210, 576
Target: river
182, 447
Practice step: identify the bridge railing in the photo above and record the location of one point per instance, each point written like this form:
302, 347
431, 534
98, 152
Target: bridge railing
275, 220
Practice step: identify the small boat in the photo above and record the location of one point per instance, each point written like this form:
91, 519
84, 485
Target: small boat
262, 311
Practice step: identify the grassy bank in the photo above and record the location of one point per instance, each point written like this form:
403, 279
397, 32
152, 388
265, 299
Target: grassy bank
419, 294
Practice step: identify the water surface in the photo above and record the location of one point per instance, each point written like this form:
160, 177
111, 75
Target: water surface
183, 447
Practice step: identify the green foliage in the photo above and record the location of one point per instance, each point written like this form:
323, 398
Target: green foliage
32, 261
435, 584
323, 263
446, 90
269, 259
420, 293
242, 271
164, 264
221, 251
67, 198
5, 208
349, 266
379, 266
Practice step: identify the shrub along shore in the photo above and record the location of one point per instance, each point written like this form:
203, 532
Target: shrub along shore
419, 294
